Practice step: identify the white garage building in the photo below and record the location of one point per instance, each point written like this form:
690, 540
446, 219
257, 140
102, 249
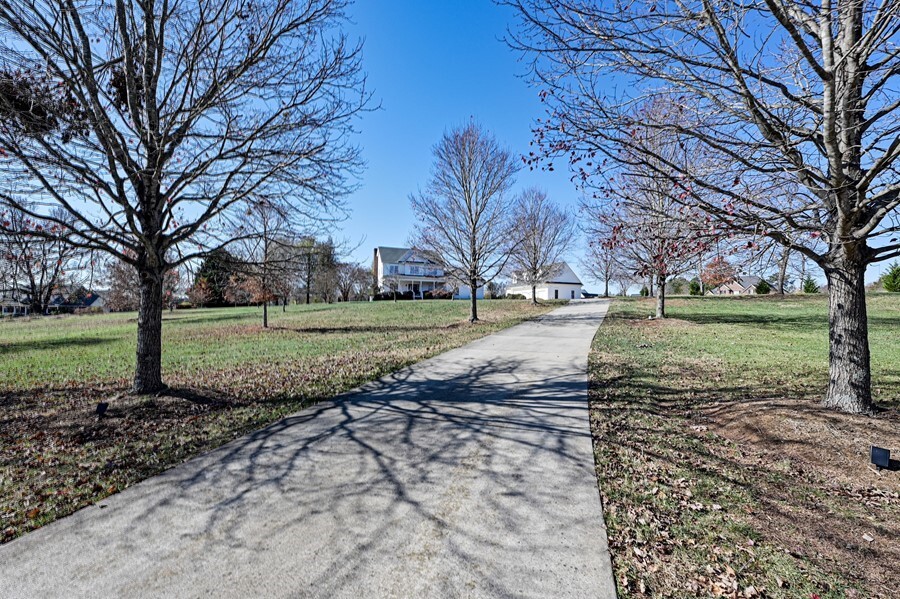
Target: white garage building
561, 283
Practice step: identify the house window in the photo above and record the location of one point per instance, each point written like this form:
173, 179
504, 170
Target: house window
556, 294
573, 294
392, 269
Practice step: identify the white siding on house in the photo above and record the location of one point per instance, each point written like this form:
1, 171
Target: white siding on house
466, 293
549, 291
415, 273
565, 284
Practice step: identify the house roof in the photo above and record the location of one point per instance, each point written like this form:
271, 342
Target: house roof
745, 281
12, 303
86, 301
91, 299
748, 281
391, 255
562, 275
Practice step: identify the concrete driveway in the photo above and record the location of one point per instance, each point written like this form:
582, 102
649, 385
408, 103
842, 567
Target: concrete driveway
468, 475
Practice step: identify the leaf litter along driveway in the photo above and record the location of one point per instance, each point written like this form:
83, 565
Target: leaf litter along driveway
469, 474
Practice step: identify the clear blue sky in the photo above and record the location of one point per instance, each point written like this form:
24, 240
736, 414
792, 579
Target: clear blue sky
432, 65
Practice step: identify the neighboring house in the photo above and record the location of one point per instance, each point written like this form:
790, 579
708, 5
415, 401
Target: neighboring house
562, 283
737, 286
70, 300
13, 307
14, 301
412, 271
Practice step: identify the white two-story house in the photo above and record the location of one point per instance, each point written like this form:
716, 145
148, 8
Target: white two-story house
410, 270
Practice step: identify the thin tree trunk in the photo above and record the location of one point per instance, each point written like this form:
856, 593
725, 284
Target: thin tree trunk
782, 270
534, 294
473, 315
850, 383
148, 370
661, 297
606, 288
265, 314
309, 275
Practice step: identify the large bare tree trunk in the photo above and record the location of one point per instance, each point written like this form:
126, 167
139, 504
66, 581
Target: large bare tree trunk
534, 294
473, 314
849, 384
148, 370
661, 297
606, 288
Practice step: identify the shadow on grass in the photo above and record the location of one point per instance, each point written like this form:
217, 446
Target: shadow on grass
773, 321
777, 321
55, 343
199, 317
362, 328
640, 418
787, 322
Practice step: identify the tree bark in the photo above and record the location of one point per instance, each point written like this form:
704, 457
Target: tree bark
534, 295
473, 314
265, 314
148, 370
606, 288
661, 297
850, 383
782, 269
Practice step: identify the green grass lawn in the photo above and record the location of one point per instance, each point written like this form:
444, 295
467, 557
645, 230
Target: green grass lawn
721, 475
228, 376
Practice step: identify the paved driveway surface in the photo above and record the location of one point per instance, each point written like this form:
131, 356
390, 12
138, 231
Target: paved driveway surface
467, 475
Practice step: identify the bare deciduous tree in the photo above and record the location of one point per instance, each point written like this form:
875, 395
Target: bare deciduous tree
391, 284
543, 234
353, 281
151, 122
769, 91
464, 213
603, 263
651, 235
639, 212
265, 253
124, 286
35, 256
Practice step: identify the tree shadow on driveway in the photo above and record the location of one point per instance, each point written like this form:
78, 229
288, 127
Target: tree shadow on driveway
441, 477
